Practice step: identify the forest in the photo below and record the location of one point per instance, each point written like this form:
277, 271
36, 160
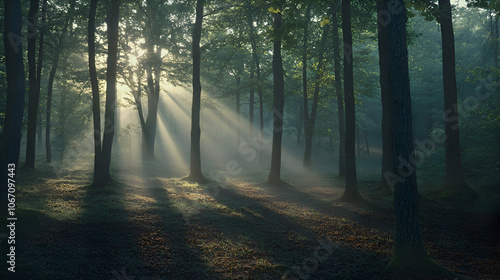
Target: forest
250, 139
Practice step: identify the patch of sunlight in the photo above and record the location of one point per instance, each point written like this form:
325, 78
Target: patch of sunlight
62, 209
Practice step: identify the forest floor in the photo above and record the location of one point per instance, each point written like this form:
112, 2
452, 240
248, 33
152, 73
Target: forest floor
145, 226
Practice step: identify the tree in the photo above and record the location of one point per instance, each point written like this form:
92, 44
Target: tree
383, 19
334, 7
195, 163
410, 257
11, 135
307, 121
256, 59
278, 98
153, 69
55, 64
96, 109
454, 174
110, 105
34, 93
351, 193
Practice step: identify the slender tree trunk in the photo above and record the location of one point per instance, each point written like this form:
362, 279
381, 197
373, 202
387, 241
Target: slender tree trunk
278, 102
351, 193
52, 75
237, 105
256, 59
32, 78
110, 105
366, 143
338, 87
195, 164
39, 74
410, 258
383, 18
307, 121
251, 100
39, 130
317, 87
357, 141
96, 108
10, 139
454, 175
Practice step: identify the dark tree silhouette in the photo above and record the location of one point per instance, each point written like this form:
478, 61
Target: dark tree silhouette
454, 174
55, 64
334, 7
153, 69
410, 257
256, 59
308, 129
34, 94
278, 102
110, 105
10, 139
383, 17
96, 109
351, 193
195, 163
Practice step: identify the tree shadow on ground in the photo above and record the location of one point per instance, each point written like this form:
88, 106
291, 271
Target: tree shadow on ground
295, 249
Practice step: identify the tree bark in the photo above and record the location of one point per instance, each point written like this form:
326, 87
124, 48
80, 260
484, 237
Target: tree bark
278, 102
34, 96
338, 87
96, 108
317, 87
256, 58
39, 72
237, 106
10, 140
307, 121
383, 19
251, 101
454, 174
195, 164
110, 105
366, 143
410, 256
351, 193
52, 75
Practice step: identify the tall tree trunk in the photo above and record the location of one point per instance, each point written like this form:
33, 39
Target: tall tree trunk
195, 164
410, 256
32, 89
351, 193
256, 59
39, 135
357, 141
383, 18
153, 79
251, 101
317, 87
52, 75
237, 106
39, 73
278, 102
454, 175
96, 109
307, 120
10, 139
366, 143
110, 105
338, 86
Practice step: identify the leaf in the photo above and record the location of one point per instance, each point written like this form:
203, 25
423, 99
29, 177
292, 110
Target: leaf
324, 22
274, 10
